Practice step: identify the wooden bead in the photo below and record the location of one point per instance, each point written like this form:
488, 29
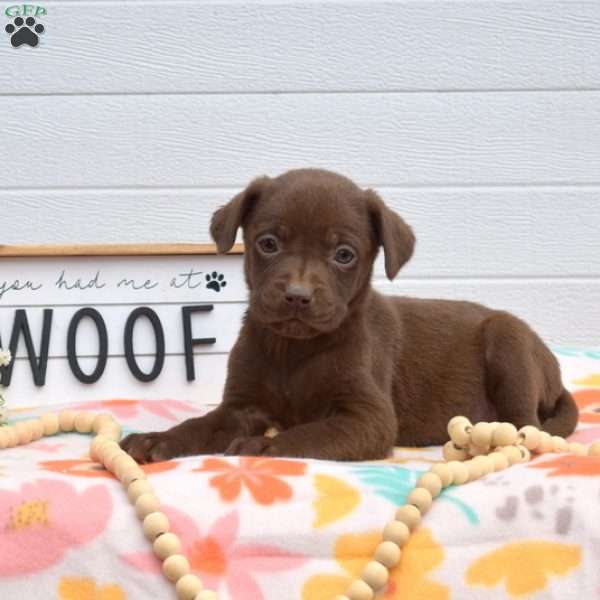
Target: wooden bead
338, 597
460, 473
388, 553
110, 456
188, 587
529, 437
66, 420
50, 423
451, 452
512, 453
431, 482
111, 431
166, 545
83, 422
210, 595
122, 464
101, 420
486, 464
146, 504
474, 469
504, 435
421, 498
499, 460
594, 449
545, 443
37, 429
155, 524
97, 446
3, 438
481, 434
24, 433
133, 474
578, 449
458, 420
477, 450
409, 515
12, 436
375, 575
175, 567
460, 434
525, 454
443, 471
137, 488
396, 532
359, 590
558, 444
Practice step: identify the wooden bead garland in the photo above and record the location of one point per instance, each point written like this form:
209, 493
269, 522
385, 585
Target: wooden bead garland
105, 449
472, 452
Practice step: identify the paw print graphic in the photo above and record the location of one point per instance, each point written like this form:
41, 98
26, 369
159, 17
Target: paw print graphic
24, 31
536, 502
215, 281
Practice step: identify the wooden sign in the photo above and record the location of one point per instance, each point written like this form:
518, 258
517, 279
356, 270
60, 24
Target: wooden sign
98, 322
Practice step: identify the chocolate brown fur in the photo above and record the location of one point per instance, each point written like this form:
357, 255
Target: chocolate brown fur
344, 372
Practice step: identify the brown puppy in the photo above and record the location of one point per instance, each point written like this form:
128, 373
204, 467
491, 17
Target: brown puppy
342, 371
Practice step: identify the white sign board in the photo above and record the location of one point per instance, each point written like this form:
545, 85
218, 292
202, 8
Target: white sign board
106, 327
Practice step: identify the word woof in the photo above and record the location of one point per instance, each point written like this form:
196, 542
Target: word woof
38, 362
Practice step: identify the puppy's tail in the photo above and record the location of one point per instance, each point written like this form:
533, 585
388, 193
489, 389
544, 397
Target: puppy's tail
563, 420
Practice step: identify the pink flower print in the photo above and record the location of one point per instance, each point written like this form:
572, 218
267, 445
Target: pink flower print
218, 557
128, 409
39, 523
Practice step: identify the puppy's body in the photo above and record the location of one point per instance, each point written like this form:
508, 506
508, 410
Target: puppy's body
342, 371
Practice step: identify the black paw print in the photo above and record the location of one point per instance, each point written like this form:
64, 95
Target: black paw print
24, 32
215, 281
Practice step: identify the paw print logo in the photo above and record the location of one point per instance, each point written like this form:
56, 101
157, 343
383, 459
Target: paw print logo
537, 503
24, 31
215, 281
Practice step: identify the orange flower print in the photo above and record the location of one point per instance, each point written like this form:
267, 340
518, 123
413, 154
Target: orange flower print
88, 468
570, 465
221, 557
588, 402
260, 475
74, 588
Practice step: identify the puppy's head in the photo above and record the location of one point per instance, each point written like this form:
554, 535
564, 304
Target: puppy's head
310, 239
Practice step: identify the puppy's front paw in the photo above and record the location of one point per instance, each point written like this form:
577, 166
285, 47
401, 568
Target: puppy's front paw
253, 446
152, 447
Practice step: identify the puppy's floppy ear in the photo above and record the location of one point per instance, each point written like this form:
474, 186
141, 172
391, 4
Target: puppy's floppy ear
227, 219
392, 233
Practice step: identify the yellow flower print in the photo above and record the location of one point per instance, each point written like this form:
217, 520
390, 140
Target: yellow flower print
526, 566
408, 581
74, 588
592, 379
336, 499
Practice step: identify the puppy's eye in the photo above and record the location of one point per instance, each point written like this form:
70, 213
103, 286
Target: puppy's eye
268, 244
344, 255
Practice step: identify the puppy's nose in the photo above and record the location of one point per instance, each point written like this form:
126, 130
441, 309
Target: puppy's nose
298, 295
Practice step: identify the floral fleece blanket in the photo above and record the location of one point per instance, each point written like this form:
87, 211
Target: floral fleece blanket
270, 529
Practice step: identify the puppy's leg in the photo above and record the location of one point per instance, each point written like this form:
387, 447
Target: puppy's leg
210, 434
523, 377
363, 427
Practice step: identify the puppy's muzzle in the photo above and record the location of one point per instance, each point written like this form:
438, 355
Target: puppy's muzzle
298, 296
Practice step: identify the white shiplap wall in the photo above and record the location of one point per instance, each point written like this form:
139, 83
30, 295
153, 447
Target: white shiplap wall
479, 121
